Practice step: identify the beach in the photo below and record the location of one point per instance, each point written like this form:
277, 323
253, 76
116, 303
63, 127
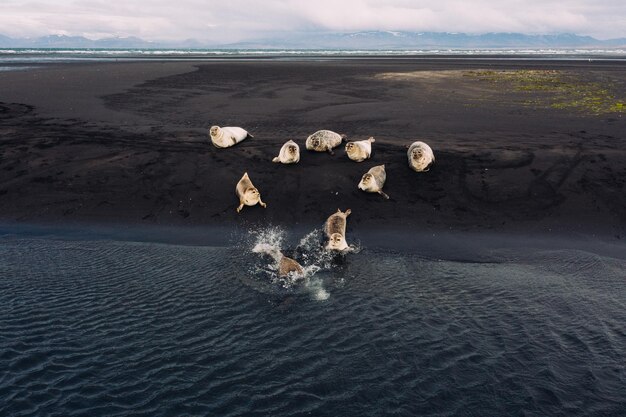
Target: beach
126, 143
492, 284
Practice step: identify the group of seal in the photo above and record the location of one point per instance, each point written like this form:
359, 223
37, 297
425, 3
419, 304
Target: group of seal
335, 231
420, 159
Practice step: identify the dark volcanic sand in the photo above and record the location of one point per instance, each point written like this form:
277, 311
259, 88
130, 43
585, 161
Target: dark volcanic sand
126, 142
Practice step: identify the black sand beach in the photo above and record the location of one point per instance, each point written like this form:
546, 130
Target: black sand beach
127, 143
491, 285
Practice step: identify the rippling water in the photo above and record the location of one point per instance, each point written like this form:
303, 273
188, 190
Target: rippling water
101, 327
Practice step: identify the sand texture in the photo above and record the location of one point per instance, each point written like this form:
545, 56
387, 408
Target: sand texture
127, 142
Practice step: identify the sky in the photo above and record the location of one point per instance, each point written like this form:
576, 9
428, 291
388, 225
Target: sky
238, 20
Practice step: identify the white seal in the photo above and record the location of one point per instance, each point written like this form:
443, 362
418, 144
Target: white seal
247, 193
420, 156
360, 150
374, 180
335, 229
324, 141
289, 153
225, 137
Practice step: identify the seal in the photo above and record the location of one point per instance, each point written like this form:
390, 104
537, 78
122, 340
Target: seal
286, 266
247, 193
420, 156
360, 150
335, 229
324, 141
225, 137
374, 180
289, 153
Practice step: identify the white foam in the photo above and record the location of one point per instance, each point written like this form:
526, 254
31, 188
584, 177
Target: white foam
267, 249
320, 294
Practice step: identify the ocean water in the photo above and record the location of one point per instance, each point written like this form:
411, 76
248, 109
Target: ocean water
26, 56
115, 327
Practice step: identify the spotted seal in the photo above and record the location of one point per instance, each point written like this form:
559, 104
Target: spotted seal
374, 180
360, 150
324, 141
289, 153
420, 156
225, 137
335, 229
247, 193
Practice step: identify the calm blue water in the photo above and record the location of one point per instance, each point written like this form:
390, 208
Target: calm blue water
104, 327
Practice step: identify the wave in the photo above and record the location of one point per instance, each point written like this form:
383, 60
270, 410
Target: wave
87, 53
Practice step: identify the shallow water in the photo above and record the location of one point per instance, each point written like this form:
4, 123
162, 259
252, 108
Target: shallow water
104, 327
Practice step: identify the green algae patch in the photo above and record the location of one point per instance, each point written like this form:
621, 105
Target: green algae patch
559, 89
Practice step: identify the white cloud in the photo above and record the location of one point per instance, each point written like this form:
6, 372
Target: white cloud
226, 21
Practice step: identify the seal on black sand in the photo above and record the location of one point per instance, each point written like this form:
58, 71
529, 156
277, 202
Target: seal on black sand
289, 153
324, 141
420, 156
225, 137
374, 180
247, 193
360, 150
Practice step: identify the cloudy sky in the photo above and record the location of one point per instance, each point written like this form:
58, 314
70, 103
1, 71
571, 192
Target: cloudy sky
235, 20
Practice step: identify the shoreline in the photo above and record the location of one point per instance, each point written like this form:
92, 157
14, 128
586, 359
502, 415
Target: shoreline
126, 143
463, 245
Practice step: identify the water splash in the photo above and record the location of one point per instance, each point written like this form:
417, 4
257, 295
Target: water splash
309, 253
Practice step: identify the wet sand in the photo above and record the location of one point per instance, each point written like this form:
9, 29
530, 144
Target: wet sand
126, 143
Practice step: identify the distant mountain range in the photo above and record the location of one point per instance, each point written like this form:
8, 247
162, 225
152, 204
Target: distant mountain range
351, 40
62, 41
430, 40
